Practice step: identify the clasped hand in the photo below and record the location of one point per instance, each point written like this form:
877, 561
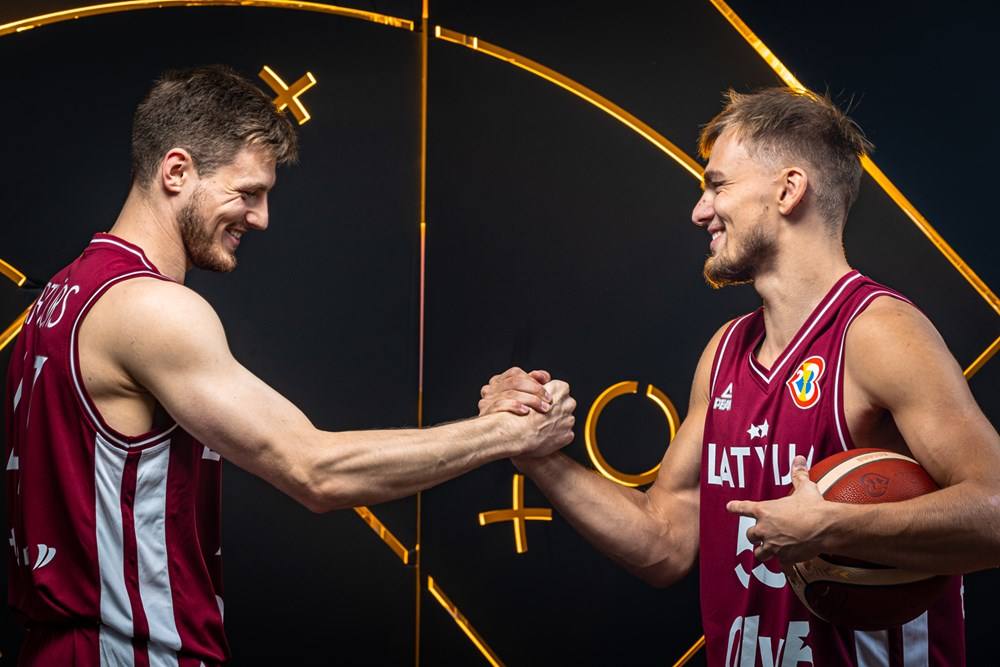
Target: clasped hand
545, 405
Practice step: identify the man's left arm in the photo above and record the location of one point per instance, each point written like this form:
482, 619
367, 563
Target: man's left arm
897, 361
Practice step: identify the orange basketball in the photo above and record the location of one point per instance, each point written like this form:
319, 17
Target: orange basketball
852, 593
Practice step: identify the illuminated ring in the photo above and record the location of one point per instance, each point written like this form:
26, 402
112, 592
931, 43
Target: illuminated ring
590, 431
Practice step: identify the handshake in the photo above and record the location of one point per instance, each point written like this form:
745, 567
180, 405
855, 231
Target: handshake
543, 410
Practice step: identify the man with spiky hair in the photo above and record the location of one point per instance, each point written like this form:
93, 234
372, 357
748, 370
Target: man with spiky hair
831, 361
125, 397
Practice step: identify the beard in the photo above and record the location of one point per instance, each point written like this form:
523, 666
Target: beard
198, 239
756, 250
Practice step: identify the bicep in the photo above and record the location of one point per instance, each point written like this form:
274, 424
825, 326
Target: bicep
901, 362
183, 359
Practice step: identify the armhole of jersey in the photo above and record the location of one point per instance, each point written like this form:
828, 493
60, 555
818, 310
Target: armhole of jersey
839, 416
721, 351
90, 411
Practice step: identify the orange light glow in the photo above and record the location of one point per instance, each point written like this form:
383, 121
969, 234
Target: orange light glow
11, 272
869, 166
133, 5
10, 333
462, 623
581, 91
384, 534
690, 653
518, 514
981, 360
288, 96
590, 431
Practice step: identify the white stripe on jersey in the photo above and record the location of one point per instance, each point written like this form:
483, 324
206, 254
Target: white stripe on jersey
787, 354
142, 258
837, 417
722, 353
74, 371
116, 610
116, 649
872, 648
915, 645
160, 656
150, 535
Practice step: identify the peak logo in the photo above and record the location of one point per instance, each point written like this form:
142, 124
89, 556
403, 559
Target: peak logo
724, 402
45, 556
804, 383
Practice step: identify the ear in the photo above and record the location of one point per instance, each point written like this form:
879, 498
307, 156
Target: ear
177, 170
794, 182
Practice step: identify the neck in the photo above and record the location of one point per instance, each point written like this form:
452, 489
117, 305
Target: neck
793, 285
152, 226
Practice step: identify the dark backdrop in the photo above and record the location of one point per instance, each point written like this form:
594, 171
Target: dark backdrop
556, 237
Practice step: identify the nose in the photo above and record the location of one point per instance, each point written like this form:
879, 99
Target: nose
256, 217
703, 211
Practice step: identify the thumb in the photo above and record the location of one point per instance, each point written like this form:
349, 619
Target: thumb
800, 472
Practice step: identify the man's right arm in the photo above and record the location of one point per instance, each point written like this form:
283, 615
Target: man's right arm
170, 341
654, 534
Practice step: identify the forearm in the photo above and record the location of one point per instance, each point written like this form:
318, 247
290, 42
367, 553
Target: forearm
951, 531
620, 522
368, 467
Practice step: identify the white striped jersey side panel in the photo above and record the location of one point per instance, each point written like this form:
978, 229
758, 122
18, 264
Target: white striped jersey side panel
150, 513
116, 610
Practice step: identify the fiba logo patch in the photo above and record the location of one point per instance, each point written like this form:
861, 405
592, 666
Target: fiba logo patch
804, 383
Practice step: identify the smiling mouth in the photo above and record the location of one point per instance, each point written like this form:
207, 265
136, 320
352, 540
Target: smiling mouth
716, 235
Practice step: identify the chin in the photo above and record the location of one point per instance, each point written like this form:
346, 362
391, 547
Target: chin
220, 262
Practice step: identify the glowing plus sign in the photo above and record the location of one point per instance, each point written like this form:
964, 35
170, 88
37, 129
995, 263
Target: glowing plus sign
518, 513
288, 96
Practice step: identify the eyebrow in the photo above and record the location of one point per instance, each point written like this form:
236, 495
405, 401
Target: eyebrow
252, 187
712, 176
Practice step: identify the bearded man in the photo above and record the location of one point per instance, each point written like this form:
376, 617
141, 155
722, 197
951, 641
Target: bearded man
124, 398
831, 361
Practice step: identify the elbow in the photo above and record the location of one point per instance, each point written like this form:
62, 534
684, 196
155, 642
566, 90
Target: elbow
326, 495
319, 491
661, 575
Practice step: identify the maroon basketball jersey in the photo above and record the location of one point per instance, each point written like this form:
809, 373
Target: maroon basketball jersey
113, 537
758, 420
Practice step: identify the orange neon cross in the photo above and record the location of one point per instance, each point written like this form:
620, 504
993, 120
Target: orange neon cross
288, 96
518, 514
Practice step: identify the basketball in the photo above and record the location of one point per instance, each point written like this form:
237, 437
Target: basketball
853, 593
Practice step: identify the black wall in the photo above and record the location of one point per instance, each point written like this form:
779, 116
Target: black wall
556, 238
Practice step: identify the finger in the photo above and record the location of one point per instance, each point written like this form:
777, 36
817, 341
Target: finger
742, 507
520, 383
800, 472
505, 405
755, 535
541, 376
765, 552
557, 389
512, 371
533, 401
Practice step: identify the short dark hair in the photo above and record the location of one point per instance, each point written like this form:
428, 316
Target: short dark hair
212, 112
784, 122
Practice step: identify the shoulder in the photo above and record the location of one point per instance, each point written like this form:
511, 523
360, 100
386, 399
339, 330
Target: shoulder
892, 348
149, 316
141, 301
889, 324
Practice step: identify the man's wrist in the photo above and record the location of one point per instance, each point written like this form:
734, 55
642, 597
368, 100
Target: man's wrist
508, 437
839, 520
